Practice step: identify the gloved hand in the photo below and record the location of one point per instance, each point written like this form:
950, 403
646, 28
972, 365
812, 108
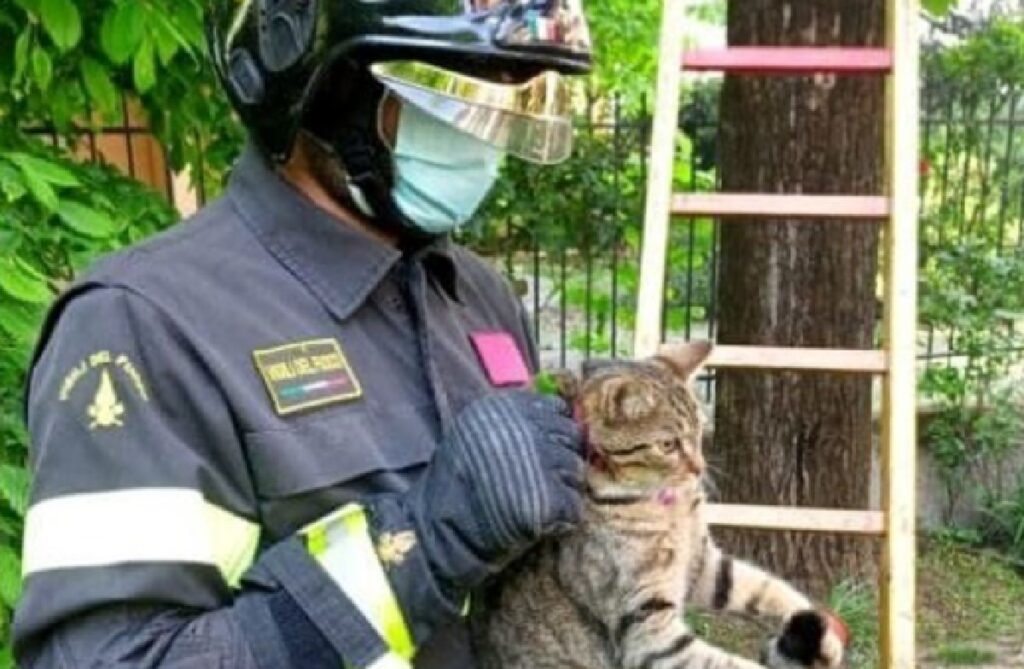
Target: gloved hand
509, 474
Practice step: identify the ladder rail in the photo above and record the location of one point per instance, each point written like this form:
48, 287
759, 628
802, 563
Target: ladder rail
659, 180
899, 392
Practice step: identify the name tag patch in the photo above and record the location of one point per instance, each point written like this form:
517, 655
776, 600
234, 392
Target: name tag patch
501, 358
306, 374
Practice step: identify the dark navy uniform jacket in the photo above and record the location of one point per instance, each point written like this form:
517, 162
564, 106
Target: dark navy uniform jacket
197, 399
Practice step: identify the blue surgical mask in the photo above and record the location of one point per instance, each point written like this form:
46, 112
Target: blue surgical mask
442, 175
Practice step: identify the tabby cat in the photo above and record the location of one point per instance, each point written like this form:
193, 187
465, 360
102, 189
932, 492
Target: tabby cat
611, 594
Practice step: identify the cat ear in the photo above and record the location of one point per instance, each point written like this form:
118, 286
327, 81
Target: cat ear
685, 359
627, 399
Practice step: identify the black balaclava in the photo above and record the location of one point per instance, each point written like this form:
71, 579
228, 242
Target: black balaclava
343, 123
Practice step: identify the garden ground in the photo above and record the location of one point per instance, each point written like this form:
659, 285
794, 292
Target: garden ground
970, 612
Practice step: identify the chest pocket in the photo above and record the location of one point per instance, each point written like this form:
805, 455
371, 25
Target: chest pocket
318, 462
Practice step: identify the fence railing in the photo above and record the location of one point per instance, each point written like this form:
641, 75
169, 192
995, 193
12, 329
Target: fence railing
574, 256
973, 192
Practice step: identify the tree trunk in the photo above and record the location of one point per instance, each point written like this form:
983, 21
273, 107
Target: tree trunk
787, 438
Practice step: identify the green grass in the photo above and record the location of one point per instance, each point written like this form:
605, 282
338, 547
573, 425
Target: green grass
961, 655
857, 604
967, 595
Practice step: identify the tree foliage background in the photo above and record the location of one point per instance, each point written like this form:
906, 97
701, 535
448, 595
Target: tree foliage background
972, 272
65, 66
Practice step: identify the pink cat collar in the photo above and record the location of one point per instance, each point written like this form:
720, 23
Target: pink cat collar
667, 497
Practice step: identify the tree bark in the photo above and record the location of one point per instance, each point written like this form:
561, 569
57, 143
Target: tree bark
787, 438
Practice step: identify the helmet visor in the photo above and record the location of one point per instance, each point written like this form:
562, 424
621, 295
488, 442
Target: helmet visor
530, 120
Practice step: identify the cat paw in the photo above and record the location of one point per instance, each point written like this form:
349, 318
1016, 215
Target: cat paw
809, 639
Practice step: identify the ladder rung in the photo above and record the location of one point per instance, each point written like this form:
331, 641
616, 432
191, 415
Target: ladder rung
763, 205
807, 359
840, 521
789, 60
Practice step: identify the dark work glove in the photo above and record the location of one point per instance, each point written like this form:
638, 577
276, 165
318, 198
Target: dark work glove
509, 475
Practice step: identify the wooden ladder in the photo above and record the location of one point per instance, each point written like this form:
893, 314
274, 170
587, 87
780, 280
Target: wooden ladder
895, 361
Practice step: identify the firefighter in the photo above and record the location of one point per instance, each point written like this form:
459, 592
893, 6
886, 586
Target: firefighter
296, 431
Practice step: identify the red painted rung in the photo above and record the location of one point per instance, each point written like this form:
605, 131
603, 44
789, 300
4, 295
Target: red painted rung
789, 60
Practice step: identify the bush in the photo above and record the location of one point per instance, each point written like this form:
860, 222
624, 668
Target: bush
65, 67
1004, 522
972, 271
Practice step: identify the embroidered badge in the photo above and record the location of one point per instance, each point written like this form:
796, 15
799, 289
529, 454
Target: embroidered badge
500, 356
113, 371
306, 374
393, 547
105, 410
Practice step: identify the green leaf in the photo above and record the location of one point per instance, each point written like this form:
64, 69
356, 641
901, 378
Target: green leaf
10, 576
44, 169
19, 280
168, 40
42, 68
144, 70
99, 86
41, 190
9, 530
21, 321
62, 22
122, 31
546, 383
12, 182
21, 48
85, 220
937, 7
66, 105
188, 23
14, 485
8, 20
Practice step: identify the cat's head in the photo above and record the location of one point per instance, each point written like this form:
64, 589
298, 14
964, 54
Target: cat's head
642, 418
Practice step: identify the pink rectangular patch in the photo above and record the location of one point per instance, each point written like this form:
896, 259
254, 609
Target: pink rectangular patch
501, 358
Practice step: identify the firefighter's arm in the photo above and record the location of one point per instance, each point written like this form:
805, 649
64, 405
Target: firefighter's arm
141, 531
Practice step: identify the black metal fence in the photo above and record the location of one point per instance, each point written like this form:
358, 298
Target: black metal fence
570, 239
583, 295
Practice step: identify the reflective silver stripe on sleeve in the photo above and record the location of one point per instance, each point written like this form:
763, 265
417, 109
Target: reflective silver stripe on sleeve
341, 542
137, 525
389, 661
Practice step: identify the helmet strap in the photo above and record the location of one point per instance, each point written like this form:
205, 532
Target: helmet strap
350, 129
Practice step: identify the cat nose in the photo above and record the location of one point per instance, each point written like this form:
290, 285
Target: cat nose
695, 463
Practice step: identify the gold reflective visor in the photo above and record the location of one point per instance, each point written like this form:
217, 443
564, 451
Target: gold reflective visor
531, 120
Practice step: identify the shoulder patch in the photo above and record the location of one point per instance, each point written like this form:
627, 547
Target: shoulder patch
306, 374
112, 372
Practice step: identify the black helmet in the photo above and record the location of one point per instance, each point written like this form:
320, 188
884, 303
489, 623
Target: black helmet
273, 55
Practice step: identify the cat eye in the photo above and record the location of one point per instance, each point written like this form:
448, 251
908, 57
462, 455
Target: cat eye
670, 445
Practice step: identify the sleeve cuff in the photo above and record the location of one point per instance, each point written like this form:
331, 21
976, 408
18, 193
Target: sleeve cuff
326, 606
426, 603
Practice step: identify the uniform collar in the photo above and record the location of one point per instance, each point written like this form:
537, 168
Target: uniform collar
339, 264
